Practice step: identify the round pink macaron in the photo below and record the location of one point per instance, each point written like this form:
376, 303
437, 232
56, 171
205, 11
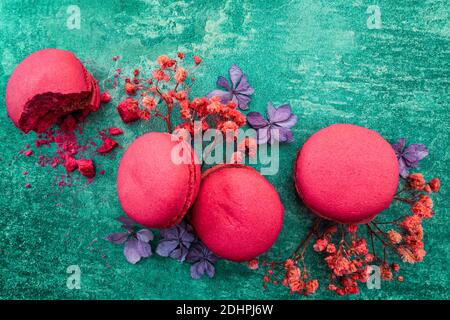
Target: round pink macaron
48, 85
158, 180
238, 213
346, 173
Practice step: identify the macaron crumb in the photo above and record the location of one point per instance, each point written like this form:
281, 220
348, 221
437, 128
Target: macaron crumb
28, 186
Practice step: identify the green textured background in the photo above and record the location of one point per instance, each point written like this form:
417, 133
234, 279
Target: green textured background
320, 56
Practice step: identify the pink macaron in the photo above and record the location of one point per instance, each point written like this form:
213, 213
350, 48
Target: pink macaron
238, 213
47, 86
158, 180
346, 173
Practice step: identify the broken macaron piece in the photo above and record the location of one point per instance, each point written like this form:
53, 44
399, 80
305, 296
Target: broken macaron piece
46, 87
238, 213
158, 180
346, 173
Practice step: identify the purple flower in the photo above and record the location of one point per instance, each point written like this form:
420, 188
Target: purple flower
176, 241
277, 127
202, 260
409, 157
239, 91
136, 242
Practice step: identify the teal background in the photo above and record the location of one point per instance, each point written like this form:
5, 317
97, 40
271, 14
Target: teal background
319, 56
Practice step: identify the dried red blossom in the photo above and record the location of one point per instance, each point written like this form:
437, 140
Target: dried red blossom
28, 152
394, 237
130, 88
416, 181
435, 184
421, 210
180, 75
320, 245
149, 103
253, 264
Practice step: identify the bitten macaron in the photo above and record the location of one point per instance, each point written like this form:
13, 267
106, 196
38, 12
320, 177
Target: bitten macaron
46, 87
158, 180
346, 173
238, 213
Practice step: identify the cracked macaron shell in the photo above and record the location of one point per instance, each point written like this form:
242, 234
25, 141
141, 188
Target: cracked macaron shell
50, 75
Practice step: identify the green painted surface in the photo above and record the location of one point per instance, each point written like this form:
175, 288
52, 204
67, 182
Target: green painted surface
318, 55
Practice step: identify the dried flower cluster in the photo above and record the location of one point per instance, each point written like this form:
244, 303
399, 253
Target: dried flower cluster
169, 88
350, 256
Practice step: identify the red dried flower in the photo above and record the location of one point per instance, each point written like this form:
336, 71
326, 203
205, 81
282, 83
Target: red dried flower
149, 103
130, 88
416, 181
421, 210
165, 62
311, 286
435, 184
70, 163
253, 264
180, 55
320, 245
180, 75
394, 237
426, 200
352, 228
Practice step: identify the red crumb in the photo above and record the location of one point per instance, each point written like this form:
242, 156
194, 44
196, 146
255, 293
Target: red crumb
25, 173
28, 152
108, 145
129, 110
105, 97
115, 131
28, 186
69, 124
101, 172
70, 164
86, 167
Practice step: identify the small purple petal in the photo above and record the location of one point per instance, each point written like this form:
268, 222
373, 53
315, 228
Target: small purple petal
144, 235
131, 252
244, 87
289, 123
235, 75
282, 113
399, 146
179, 253
280, 134
403, 169
117, 238
256, 120
415, 152
242, 101
198, 269
263, 135
164, 248
225, 96
210, 270
223, 82
126, 222
144, 249
270, 111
